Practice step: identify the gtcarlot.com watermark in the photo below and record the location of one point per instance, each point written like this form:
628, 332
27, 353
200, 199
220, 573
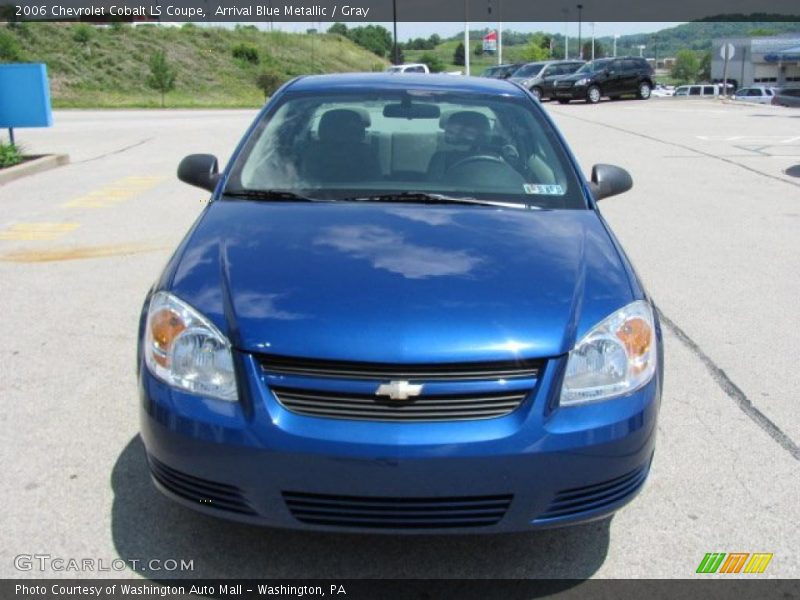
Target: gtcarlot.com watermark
62, 564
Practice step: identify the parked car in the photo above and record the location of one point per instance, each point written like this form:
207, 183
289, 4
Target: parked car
757, 94
662, 90
400, 311
612, 77
702, 90
539, 77
501, 71
787, 96
409, 68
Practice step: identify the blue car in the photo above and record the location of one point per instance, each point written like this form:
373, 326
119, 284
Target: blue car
401, 311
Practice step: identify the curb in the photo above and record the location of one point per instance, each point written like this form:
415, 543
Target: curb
31, 167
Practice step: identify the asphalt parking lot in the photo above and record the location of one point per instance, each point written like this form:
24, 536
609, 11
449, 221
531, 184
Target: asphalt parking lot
712, 225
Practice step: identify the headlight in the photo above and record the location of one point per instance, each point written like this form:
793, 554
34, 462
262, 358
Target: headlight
616, 357
527, 82
583, 81
185, 350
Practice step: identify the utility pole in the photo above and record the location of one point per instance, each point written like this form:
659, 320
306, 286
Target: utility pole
466, 38
592, 40
580, 48
566, 33
394, 16
616, 37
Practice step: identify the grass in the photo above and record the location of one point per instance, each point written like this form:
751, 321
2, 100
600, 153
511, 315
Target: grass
110, 70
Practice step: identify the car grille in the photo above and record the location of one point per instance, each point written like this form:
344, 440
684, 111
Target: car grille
573, 502
563, 84
423, 408
427, 372
203, 491
347, 390
396, 513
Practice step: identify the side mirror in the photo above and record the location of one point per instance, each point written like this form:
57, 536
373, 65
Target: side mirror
608, 180
201, 170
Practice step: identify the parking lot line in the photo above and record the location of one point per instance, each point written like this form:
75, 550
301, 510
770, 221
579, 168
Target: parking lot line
37, 231
119, 191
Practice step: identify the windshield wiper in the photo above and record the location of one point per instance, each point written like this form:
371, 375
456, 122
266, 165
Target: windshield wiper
430, 198
270, 195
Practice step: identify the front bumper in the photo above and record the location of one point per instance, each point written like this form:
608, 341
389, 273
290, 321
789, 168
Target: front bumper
255, 461
574, 92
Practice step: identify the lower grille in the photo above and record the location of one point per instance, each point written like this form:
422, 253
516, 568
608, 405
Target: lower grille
207, 493
396, 513
423, 408
572, 502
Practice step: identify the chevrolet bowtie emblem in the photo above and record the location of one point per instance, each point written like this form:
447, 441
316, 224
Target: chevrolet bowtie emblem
399, 390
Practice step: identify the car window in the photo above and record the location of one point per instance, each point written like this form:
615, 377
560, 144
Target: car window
568, 69
629, 65
352, 144
594, 66
415, 70
754, 92
682, 91
531, 70
694, 90
708, 90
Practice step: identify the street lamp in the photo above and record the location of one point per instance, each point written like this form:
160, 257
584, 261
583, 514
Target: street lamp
592, 40
641, 49
580, 49
566, 33
616, 37
394, 16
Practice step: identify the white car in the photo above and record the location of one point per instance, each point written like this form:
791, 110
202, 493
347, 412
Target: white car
758, 94
409, 68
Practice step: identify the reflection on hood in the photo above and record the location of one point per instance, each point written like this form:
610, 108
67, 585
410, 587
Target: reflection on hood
388, 250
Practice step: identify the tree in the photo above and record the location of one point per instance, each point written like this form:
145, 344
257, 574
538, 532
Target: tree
339, 28
268, 82
162, 76
434, 64
705, 67
246, 52
686, 67
534, 51
458, 55
434, 40
82, 33
374, 38
599, 50
478, 51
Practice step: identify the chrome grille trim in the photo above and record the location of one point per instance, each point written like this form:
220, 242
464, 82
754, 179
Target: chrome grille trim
423, 408
283, 365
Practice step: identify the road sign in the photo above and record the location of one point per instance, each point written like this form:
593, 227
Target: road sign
730, 51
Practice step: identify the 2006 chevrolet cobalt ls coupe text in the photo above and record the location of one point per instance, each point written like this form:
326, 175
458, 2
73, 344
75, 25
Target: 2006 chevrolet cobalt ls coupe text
400, 311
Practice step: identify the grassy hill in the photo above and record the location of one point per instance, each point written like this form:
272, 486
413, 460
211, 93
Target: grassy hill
110, 68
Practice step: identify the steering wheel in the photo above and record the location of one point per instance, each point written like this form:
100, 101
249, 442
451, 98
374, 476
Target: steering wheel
480, 158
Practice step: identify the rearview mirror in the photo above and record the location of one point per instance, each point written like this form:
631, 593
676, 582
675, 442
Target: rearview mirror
411, 111
201, 170
609, 180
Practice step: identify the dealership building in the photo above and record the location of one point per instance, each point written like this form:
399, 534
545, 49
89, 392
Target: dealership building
772, 61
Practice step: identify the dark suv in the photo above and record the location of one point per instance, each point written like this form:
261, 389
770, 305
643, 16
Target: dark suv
612, 77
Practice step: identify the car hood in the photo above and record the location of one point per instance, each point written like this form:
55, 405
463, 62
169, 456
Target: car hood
399, 282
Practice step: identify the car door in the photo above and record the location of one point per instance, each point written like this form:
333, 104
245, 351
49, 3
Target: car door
629, 80
609, 79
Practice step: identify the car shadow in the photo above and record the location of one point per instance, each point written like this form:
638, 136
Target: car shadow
146, 526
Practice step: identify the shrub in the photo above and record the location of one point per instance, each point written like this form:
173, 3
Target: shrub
246, 52
10, 49
268, 82
9, 155
162, 76
82, 33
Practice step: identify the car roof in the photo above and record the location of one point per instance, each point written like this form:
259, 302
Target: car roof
386, 81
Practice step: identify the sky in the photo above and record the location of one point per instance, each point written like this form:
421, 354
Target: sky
414, 30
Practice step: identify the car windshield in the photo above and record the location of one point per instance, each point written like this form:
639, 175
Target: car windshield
356, 144
592, 67
531, 70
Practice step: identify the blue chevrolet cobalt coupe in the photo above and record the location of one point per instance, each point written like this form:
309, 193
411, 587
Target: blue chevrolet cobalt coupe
401, 311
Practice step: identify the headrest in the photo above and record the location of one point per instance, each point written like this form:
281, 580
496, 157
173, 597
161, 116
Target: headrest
466, 118
343, 125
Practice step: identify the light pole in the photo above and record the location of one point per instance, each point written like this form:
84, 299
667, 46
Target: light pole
566, 33
466, 38
580, 49
616, 37
394, 16
641, 49
592, 40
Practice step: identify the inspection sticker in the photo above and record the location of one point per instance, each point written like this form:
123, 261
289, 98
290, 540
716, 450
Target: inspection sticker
544, 190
